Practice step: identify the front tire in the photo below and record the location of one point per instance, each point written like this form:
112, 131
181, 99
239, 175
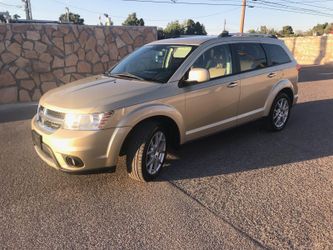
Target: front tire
279, 113
147, 150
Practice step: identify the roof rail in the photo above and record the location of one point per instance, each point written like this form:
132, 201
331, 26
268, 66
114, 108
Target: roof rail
226, 34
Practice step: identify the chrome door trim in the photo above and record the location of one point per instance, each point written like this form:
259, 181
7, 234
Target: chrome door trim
231, 119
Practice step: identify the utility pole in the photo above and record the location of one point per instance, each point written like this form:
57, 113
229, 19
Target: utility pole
67, 14
27, 8
242, 17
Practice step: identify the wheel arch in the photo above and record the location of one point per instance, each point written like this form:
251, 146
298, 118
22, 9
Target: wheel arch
283, 86
168, 117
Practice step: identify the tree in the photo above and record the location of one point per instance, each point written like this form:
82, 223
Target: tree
329, 29
160, 34
173, 29
321, 29
287, 31
16, 16
72, 18
193, 28
132, 20
264, 30
267, 31
108, 21
4, 17
176, 29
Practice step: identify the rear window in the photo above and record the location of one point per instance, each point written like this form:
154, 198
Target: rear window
251, 56
276, 54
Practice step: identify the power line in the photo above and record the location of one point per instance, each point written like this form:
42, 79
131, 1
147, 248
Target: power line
275, 4
289, 11
184, 2
307, 4
288, 8
153, 20
11, 5
260, 4
255, 3
315, 1
101, 12
217, 13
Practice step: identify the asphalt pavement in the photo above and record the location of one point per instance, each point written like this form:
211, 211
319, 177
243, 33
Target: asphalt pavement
310, 73
245, 188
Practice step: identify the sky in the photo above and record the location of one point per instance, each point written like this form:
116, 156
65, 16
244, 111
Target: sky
161, 14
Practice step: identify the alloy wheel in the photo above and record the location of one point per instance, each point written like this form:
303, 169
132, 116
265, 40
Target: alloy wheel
281, 112
156, 152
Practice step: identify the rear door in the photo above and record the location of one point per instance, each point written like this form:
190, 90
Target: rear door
279, 58
256, 79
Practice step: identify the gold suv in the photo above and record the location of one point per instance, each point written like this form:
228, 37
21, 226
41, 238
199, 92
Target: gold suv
162, 95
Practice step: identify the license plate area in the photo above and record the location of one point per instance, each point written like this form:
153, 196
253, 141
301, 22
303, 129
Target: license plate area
36, 139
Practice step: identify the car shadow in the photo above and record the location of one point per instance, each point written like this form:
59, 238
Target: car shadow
17, 112
308, 136
310, 73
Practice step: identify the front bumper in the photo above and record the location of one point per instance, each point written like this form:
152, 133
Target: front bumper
96, 149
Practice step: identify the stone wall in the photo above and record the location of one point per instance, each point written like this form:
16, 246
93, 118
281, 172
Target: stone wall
312, 49
37, 57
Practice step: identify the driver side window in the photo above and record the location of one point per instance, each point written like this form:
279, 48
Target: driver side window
216, 60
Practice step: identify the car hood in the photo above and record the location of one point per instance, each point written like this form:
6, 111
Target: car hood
98, 93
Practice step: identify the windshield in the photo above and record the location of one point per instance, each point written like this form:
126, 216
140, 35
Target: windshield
152, 63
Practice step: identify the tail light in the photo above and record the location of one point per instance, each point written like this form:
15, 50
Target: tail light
298, 67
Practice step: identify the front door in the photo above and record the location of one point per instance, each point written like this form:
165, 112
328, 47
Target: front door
212, 106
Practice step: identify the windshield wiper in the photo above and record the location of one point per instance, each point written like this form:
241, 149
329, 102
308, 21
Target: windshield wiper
127, 75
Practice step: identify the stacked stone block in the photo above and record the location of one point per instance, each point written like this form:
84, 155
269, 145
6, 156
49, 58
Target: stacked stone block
312, 49
35, 58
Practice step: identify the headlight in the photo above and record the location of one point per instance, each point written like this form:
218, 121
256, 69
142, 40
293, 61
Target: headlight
86, 121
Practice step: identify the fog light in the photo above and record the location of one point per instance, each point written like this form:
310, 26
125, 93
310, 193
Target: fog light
74, 161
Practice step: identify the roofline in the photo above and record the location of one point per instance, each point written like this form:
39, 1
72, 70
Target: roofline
248, 35
199, 40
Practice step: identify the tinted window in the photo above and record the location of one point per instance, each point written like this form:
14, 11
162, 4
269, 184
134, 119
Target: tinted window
153, 62
251, 56
276, 54
216, 60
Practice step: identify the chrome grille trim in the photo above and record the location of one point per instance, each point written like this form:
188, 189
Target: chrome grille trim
55, 114
49, 119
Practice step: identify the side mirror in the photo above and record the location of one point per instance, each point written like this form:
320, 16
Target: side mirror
198, 75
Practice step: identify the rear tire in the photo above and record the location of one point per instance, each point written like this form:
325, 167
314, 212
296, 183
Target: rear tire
279, 113
146, 152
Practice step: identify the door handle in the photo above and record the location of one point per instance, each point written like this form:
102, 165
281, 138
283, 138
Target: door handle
233, 84
271, 75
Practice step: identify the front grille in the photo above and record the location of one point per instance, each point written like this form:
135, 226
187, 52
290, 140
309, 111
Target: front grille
51, 124
49, 119
55, 114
